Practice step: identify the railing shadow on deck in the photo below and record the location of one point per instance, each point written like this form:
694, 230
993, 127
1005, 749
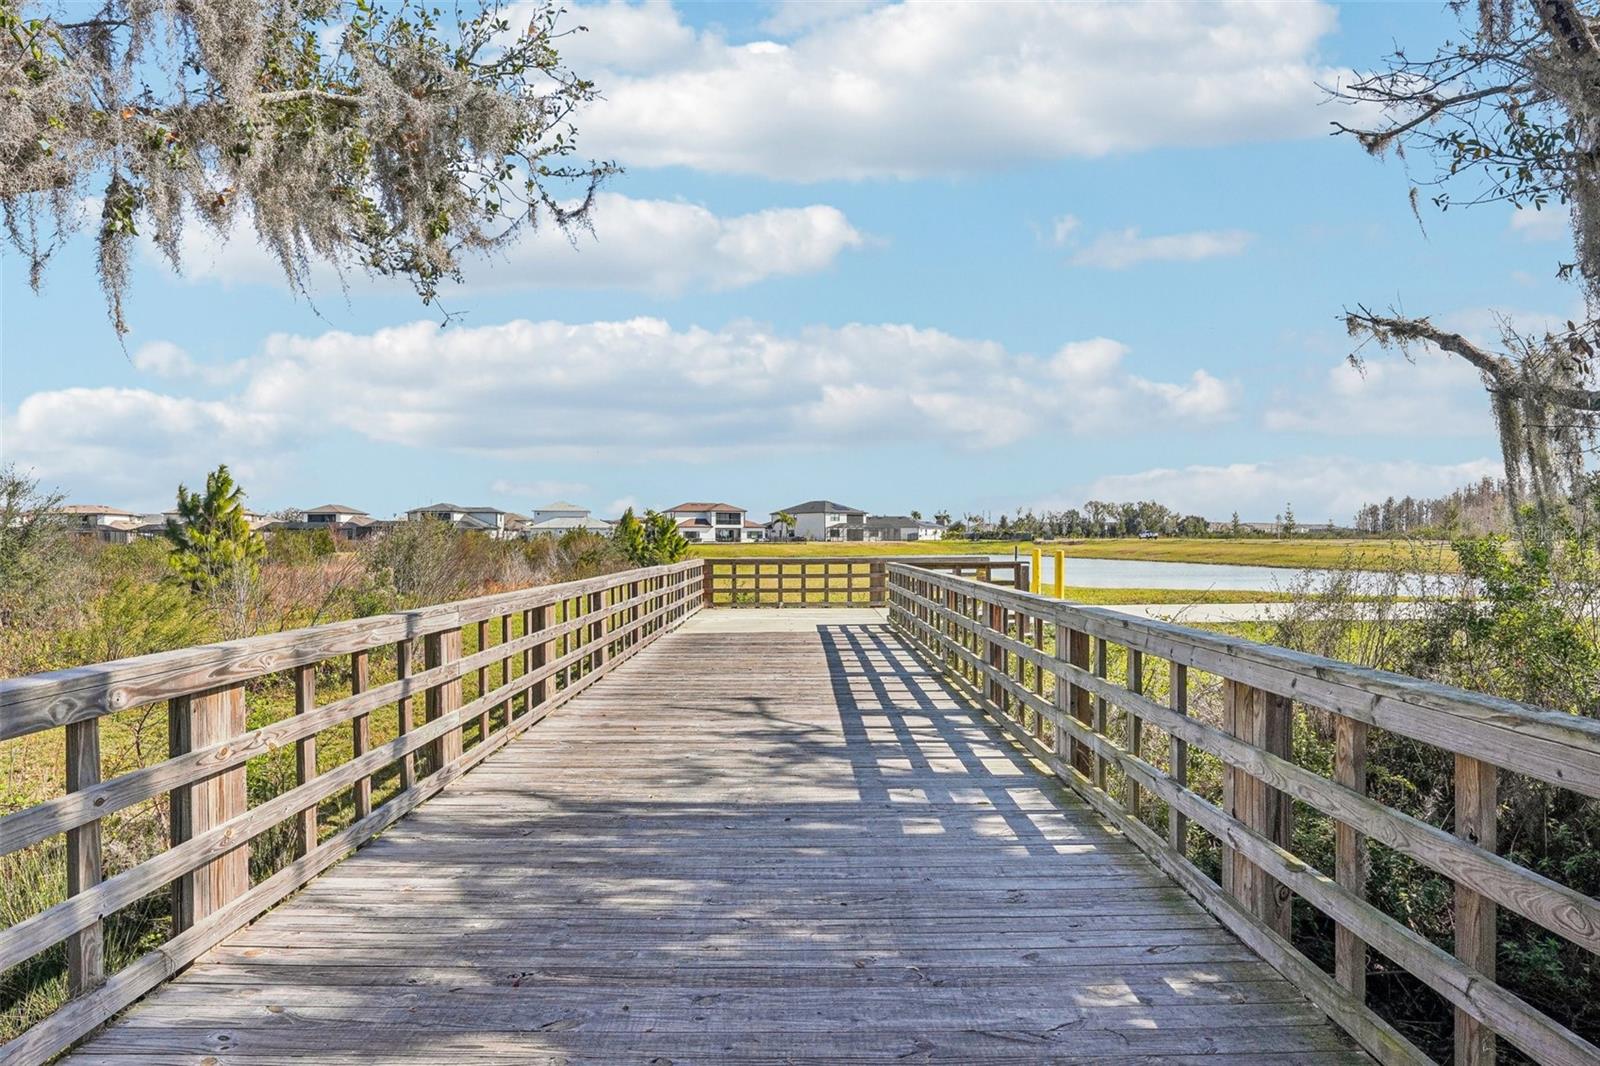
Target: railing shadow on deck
1039, 666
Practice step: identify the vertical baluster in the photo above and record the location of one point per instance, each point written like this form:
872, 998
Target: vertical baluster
195, 722
1078, 700
539, 654
1178, 756
1100, 712
305, 758
1477, 801
441, 649
1135, 729
360, 731
597, 629
1263, 720
86, 947
483, 683
505, 664
1038, 672
1350, 853
403, 715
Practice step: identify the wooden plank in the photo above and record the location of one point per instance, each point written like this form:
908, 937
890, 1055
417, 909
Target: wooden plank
443, 699
1178, 758
361, 730
305, 758
404, 722
1477, 809
85, 867
195, 722
1350, 853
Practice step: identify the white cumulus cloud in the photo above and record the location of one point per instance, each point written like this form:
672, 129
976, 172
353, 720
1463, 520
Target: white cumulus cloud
633, 390
911, 89
1121, 249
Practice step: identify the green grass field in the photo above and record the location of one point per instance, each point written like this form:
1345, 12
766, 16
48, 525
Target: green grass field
1431, 556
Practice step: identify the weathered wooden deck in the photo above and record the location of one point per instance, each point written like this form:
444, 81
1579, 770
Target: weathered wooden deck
771, 836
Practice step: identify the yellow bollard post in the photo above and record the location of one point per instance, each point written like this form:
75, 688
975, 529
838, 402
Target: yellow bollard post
1033, 574
1059, 578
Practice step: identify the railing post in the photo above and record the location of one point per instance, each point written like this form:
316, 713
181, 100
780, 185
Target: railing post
597, 630
403, 714
361, 731
1135, 729
1263, 720
1078, 706
1101, 713
1178, 757
483, 683
877, 583
505, 668
444, 698
705, 583
539, 654
85, 948
195, 722
305, 758
1350, 853
996, 657
1477, 802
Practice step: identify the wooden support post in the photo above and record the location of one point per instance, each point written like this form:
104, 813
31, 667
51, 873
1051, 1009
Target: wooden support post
1038, 674
1350, 853
86, 968
996, 656
597, 631
1135, 799
483, 682
1078, 655
305, 758
1477, 803
361, 731
195, 722
1021, 577
1266, 721
1101, 713
505, 664
538, 655
439, 649
705, 583
1178, 757
404, 721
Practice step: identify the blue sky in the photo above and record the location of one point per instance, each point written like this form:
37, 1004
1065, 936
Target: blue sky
970, 258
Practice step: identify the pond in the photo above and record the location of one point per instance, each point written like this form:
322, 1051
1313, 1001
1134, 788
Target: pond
1138, 573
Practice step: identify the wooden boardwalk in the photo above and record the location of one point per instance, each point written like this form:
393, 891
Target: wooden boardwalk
772, 836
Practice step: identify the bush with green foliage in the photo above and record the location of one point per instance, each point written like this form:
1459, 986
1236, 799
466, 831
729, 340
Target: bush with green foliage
652, 542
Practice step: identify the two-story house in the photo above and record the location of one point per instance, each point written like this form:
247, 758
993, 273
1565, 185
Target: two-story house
110, 524
822, 520
554, 519
489, 520
715, 523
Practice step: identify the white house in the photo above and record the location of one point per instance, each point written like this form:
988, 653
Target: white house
491, 520
715, 523
554, 519
901, 527
822, 520
333, 514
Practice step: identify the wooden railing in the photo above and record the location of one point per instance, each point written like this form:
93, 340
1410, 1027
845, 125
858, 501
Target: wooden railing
835, 581
1041, 667
534, 649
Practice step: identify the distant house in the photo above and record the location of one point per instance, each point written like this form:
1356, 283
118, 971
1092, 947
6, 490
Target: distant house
488, 520
822, 520
110, 524
554, 519
336, 514
340, 520
900, 527
715, 523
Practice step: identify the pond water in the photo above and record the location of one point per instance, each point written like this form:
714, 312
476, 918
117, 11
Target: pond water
1137, 573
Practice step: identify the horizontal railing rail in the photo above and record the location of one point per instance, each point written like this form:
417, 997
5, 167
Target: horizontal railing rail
1040, 666
835, 581
553, 642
